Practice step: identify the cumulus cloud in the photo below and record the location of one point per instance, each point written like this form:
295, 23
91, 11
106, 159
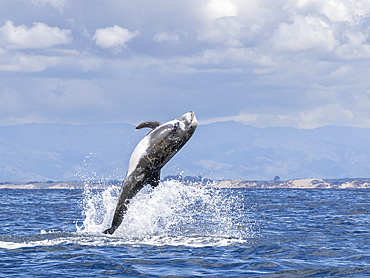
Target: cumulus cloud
228, 31
228, 23
113, 37
347, 11
304, 33
39, 36
221, 8
354, 46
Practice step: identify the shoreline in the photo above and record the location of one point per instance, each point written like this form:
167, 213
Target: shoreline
290, 184
297, 184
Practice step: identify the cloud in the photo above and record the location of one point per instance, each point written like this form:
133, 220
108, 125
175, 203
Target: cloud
304, 33
355, 46
228, 31
241, 118
231, 23
38, 36
325, 115
53, 100
224, 60
267, 62
167, 37
113, 37
61, 60
55, 3
27, 63
221, 8
346, 11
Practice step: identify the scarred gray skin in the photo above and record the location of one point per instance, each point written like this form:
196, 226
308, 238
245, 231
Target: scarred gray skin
149, 156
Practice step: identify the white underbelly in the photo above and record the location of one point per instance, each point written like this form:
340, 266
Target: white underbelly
140, 150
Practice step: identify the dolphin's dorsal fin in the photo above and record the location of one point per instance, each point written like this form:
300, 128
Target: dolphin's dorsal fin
155, 179
149, 124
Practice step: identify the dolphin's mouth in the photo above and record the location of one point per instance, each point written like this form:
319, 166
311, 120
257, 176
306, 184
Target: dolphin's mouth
189, 120
193, 120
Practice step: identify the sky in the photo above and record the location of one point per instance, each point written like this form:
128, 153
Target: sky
289, 63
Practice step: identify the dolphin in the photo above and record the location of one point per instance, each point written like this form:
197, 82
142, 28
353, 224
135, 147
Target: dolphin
149, 156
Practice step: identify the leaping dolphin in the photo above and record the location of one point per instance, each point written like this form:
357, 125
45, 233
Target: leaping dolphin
149, 156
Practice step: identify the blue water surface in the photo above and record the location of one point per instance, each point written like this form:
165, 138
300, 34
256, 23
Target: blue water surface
184, 231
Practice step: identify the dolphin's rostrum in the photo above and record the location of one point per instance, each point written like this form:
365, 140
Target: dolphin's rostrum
149, 156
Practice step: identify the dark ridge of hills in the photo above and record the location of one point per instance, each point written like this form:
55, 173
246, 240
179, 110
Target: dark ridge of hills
226, 150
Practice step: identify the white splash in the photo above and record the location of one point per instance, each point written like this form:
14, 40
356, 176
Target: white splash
173, 213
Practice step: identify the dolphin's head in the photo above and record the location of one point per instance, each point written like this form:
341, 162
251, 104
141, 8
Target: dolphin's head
170, 137
185, 125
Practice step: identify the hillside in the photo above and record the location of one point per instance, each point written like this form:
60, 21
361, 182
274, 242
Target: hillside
228, 150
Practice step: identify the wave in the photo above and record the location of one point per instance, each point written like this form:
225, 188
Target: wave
174, 214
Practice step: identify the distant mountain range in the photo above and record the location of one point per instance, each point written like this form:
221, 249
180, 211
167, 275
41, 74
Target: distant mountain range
227, 150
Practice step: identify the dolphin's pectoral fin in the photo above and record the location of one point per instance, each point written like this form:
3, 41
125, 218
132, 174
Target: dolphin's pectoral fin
155, 179
149, 124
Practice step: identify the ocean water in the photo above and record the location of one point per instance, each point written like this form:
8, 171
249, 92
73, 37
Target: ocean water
178, 230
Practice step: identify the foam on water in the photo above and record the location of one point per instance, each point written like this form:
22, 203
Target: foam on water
173, 213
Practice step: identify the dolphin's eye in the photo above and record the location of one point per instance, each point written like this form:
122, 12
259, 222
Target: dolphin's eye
175, 127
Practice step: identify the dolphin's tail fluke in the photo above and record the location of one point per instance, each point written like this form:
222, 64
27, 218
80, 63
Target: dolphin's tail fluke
110, 231
118, 215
